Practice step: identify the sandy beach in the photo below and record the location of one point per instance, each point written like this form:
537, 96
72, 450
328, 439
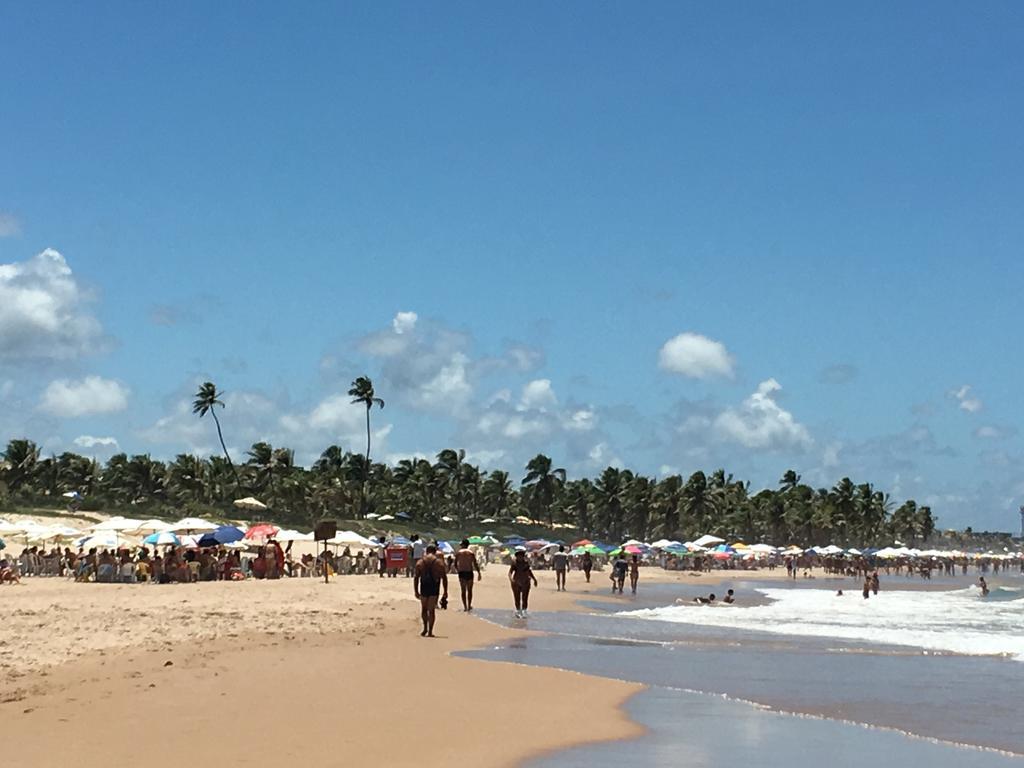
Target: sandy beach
292, 669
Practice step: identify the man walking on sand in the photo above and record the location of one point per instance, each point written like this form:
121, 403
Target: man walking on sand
465, 563
431, 576
560, 562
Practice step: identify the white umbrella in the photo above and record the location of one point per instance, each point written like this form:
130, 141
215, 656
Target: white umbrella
11, 529
193, 524
102, 540
762, 549
117, 523
152, 526
56, 531
352, 539
289, 535
707, 540
250, 503
385, 518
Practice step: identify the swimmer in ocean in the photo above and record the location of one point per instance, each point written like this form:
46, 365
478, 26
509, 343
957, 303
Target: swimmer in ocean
984, 586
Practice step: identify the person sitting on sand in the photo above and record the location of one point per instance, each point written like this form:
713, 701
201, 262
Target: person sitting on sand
520, 576
729, 597
7, 573
429, 577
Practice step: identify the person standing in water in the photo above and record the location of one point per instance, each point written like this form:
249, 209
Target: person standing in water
984, 586
867, 587
634, 573
520, 576
588, 565
874, 582
430, 576
618, 575
465, 564
560, 562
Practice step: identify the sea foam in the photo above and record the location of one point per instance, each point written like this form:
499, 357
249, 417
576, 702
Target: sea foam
959, 621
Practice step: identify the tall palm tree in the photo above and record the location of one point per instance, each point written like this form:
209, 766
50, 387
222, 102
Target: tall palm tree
545, 481
206, 400
361, 391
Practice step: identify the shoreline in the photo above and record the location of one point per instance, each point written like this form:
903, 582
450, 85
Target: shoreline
360, 680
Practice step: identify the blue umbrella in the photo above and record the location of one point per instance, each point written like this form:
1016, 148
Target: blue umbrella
162, 537
223, 535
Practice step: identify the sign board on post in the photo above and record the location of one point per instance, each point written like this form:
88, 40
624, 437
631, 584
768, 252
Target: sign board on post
325, 529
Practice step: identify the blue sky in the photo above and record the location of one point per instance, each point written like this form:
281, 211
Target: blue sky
504, 214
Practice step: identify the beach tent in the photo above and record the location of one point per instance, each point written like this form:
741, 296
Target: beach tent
707, 540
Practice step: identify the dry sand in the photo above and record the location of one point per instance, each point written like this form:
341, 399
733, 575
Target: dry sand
96, 674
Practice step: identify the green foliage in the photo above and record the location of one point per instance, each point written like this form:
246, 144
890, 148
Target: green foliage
452, 491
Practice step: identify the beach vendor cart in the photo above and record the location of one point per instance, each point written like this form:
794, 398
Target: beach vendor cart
396, 559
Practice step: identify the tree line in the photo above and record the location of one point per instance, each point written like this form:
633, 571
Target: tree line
615, 505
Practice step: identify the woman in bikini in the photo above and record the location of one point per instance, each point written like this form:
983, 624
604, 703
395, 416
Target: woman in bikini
520, 575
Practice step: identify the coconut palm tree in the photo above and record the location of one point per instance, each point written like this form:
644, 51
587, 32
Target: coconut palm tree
545, 482
361, 391
206, 401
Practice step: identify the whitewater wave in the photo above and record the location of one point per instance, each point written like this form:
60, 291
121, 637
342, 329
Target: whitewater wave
960, 621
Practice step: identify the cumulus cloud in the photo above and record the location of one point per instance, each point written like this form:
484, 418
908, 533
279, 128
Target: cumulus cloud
404, 322
84, 397
760, 423
967, 401
994, 432
696, 357
9, 224
44, 312
538, 394
88, 441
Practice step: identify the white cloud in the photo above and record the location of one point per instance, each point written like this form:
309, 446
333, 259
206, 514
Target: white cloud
538, 394
967, 402
336, 413
582, 420
43, 310
601, 456
85, 397
994, 432
9, 224
760, 423
449, 388
696, 356
88, 441
404, 322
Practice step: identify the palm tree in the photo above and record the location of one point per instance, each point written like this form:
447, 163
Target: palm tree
206, 400
361, 391
545, 482
19, 462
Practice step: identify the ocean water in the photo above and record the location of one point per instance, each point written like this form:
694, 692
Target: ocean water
910, 675
957, 621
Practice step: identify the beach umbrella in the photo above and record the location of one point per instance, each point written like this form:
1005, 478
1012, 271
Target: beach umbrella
352, 539
102, 540
162, 538
290, 535
191, 524
632, 549
762, 549
117, 523
445, 548
386, 518
261, 532
151, 526
225, 534
707, 540
250, 503
582, 543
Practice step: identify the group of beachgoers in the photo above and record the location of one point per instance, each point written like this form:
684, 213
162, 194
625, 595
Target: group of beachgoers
431, 569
